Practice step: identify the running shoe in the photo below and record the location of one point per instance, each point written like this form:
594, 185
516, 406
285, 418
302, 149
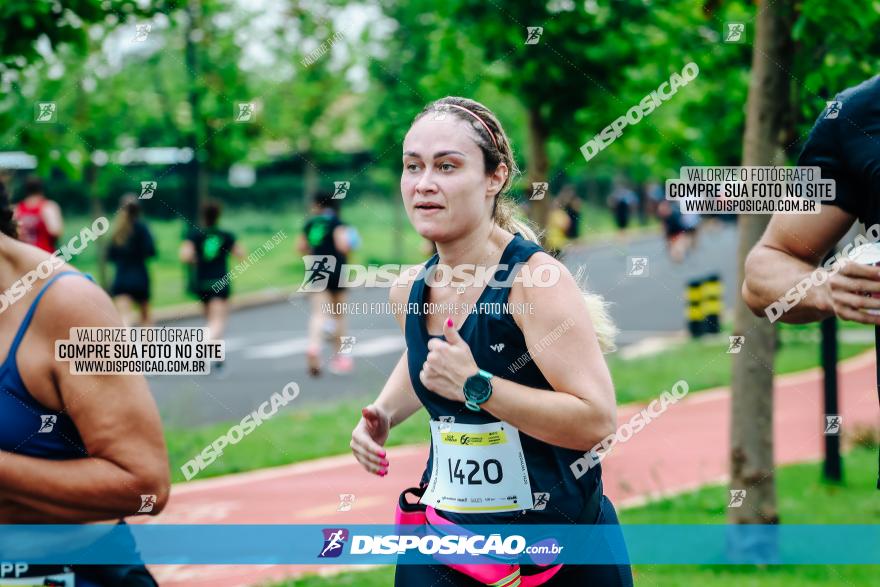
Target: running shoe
341, 364
218, 369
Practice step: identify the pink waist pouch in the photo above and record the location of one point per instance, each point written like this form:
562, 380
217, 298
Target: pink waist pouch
489, 571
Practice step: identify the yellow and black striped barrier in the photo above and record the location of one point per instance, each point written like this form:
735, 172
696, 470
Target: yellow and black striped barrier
694, 307
712, 304
704, 305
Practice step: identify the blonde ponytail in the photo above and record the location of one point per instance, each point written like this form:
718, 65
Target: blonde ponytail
506, 217
606, 330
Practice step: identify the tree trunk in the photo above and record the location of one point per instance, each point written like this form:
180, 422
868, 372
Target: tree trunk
751, 446
538, 167
97, 210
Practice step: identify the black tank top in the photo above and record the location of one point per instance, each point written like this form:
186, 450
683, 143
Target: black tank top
548, 465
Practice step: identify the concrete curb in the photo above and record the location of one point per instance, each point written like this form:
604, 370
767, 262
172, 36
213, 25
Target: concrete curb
254, 299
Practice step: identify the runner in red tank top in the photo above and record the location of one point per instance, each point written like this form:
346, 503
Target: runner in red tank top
39, 219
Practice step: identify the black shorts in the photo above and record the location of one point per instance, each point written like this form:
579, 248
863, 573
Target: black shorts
621, 215
569, 576
673, 229
206, 294
140, 295
333, 280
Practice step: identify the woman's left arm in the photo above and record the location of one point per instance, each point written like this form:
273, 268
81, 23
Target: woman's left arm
582, 409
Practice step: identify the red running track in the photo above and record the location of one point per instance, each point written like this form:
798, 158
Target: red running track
683, 449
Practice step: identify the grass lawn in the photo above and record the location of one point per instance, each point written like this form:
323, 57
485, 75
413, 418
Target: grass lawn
705, 363
325, 431
374, 218
304, 434
803, 499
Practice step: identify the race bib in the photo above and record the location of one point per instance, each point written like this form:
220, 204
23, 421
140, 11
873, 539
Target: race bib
21, 574
477, 468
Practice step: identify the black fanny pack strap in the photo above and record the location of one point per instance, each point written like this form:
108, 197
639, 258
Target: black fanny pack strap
405, 505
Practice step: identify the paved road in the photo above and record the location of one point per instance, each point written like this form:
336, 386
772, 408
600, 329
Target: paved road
685, 448
266, 345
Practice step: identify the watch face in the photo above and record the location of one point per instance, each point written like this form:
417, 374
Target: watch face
477, 389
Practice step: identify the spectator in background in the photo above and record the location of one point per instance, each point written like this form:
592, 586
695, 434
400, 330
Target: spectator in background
558, 224
655, 195
207, 251
622, 200
690, 223
130, 247
642, 203
680, 228
39, 219
326, 235
571, 203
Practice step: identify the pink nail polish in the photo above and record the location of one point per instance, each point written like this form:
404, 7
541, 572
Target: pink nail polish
381, 454
383, 471
384, 463
449, 322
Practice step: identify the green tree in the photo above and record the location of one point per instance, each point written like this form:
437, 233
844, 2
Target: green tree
24, 22
567, 77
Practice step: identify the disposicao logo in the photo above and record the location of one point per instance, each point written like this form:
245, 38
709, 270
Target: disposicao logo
334, 541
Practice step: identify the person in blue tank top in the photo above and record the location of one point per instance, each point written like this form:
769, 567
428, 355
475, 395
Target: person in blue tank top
513, 378
75, 448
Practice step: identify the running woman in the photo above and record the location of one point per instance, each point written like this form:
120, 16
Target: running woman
39, 218
130, 247
327, 236
75, 448
208, 250
553, 406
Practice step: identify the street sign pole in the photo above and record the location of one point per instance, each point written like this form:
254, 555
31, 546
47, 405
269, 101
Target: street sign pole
831, 469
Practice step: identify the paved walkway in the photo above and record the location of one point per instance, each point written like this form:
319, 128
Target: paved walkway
683, 449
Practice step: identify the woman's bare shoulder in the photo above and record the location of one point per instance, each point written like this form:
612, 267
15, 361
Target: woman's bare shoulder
75, 300
549, 284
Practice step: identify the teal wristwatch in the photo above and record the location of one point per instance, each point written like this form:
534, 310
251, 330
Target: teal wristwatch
477, 389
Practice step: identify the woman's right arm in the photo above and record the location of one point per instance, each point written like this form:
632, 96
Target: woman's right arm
398, 398
396, 402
